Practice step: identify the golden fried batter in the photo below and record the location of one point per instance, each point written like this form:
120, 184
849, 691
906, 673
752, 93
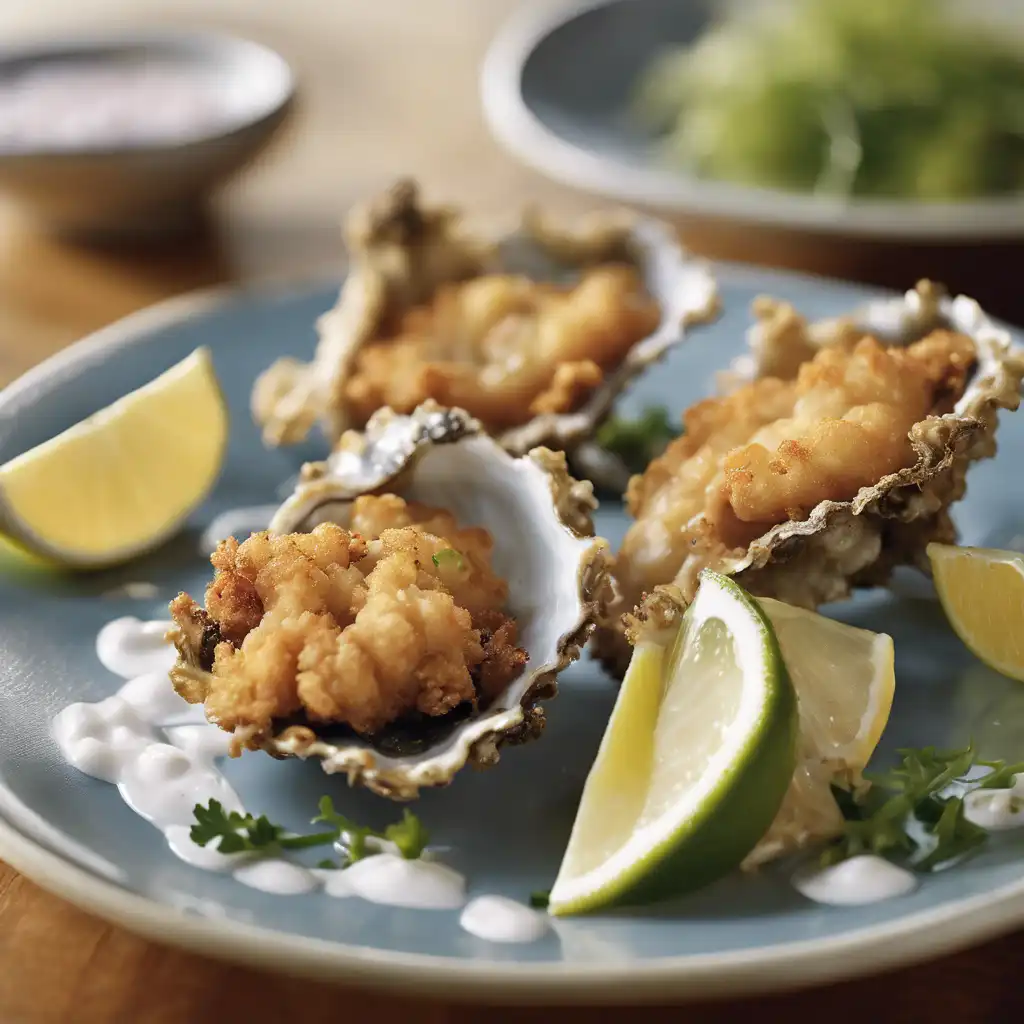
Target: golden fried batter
775, 448
504, 347
347, 630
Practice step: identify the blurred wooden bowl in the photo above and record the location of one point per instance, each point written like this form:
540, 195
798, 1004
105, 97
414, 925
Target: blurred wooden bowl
149, 186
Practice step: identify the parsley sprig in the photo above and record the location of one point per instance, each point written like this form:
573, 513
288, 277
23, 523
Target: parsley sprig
638, 441
244, 833
915, 811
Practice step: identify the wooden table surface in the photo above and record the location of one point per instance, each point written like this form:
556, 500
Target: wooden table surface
388, 86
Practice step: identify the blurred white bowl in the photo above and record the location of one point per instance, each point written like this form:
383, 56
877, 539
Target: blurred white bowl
149, 184
556, 84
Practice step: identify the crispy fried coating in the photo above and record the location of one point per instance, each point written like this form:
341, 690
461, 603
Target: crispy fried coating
504, 347
347, 630
775, 448
469, 578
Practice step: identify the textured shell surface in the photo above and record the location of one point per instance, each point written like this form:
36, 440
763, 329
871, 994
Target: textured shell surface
840, 545
847, 533
401, 251
557, 573
683, 286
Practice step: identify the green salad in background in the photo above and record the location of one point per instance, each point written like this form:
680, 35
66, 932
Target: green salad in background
881, 98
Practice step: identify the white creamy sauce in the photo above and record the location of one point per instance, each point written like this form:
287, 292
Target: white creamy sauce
161, 754
130, 648
163, 784
202, 742
153, 699
237, 522
859, 880
100, 739
997, 809
277, 876
499, 919
335, 883
395, 882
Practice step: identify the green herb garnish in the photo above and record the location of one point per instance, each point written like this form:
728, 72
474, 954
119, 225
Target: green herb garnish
352, 835
449, 558
639, 440
408, 835
915, 811
540, 899
242, 833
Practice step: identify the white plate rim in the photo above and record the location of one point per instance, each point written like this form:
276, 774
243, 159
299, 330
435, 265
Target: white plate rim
911, 939
526, 137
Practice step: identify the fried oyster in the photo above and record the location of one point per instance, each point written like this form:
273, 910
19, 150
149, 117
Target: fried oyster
430, 311
397, 616
393, 620
834, 458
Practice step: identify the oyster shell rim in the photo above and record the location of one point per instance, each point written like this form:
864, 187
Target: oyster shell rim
995, 384
481, 737
940, 441
283, 398
515, 725
697, 302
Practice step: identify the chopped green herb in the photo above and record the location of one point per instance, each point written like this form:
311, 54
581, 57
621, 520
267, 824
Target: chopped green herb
242, 833
449, 558
351, 835
954, 835
915, 811
639, 440
540, 899
1001, 776
327, 864
408, 835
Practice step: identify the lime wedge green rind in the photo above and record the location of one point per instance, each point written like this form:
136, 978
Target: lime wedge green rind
710, 838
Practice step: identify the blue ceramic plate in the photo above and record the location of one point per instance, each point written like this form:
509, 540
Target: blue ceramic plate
556, 88
506, 827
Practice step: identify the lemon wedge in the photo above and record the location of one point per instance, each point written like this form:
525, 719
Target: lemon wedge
694, 762
123, 480
845, 680
982, 593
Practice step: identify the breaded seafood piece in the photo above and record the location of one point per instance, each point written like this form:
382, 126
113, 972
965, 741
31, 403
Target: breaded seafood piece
535, 331
836, 462
504, 347
409, 609
346, 630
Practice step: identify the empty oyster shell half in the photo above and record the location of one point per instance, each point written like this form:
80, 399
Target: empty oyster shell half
557, 574
818, 556
533, 376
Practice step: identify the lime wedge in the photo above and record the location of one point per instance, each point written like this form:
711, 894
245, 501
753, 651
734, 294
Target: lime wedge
697, 756
123, 480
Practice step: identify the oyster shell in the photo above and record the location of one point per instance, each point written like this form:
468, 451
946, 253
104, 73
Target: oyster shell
841, 544
401, 251
557, 574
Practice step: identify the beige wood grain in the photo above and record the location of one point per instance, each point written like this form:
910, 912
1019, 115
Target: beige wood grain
388, 86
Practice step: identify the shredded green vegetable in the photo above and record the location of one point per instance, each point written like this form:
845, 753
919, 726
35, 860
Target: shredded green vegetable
882, 98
